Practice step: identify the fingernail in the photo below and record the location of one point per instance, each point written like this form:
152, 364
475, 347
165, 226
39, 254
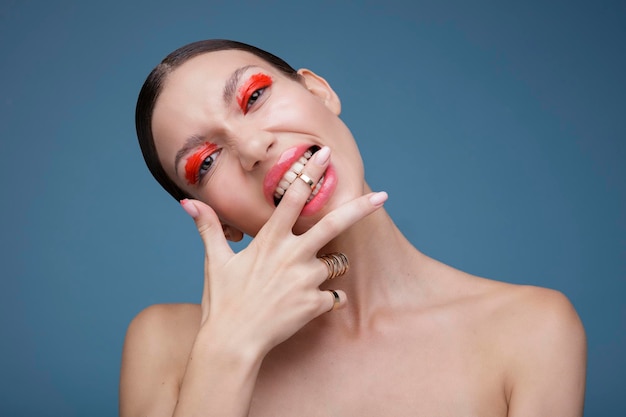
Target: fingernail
322, 155
189, 207
379, 198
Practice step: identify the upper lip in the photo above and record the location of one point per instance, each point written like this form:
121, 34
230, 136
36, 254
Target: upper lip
276, 172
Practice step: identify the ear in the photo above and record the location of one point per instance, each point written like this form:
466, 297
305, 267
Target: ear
320, 88
231, 233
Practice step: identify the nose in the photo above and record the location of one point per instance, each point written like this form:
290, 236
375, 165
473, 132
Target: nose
254, 147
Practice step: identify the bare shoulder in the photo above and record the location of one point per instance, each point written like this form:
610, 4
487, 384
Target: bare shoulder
543, 350
526, 315
521, 306
156, 348
539, 312
161, 320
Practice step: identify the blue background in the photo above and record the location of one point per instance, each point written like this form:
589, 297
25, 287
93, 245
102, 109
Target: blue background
498, 129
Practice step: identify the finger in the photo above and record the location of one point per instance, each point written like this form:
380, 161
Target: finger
209, 227
342, 218
299, 191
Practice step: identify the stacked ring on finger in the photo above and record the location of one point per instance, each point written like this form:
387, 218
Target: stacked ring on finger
307, 180
337, 264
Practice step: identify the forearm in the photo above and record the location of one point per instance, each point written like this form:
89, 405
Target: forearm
219, 379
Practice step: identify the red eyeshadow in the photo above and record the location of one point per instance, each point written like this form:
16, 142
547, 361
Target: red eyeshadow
255, 82
194, 162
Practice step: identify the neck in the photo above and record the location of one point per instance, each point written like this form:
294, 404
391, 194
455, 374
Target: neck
386, 271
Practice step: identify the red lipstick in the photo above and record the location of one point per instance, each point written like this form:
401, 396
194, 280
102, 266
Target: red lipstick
324, 194
286, 160
275, 174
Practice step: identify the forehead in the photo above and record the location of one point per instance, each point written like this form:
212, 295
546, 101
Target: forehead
212, 66
204, 77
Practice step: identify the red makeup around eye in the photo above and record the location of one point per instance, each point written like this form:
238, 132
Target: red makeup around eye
254, 83
194, 162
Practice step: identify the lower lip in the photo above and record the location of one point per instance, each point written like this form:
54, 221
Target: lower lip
323, 195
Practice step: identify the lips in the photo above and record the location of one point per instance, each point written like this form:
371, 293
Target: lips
276, 173
292, 174
323, 195
285, 171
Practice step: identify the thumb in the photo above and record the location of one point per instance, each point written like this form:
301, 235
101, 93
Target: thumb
209, 227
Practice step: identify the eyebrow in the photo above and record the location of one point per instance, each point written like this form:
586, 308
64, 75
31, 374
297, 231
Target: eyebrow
230, 88
191, 143
232, 82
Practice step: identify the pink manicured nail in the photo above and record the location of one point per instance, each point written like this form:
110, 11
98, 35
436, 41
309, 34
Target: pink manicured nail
379, 198
322, 155
190, 208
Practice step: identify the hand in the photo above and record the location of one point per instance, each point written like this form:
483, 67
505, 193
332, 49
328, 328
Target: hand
262, 295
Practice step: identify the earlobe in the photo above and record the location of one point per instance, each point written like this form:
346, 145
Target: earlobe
320, 88
232, 234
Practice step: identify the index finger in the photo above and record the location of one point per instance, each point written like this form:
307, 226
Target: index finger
294, 199
342, 218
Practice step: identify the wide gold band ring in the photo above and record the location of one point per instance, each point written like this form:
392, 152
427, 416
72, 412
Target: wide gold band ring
336, 299
307, 180
337, 264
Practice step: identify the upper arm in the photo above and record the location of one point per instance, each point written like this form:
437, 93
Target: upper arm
548, 369
151, 364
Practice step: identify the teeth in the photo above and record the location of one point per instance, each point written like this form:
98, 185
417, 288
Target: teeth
283, 184
291, 175
297, 167
316, 189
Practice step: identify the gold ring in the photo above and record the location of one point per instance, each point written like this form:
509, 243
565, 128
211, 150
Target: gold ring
337, 264
307, 180
336, 299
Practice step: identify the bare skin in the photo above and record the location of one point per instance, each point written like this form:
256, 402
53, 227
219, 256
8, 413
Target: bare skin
412, 337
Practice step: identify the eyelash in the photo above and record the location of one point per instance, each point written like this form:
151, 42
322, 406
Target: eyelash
194, 171
255, 95
254, 88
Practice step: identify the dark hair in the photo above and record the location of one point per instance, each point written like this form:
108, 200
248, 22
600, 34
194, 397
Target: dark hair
153, 86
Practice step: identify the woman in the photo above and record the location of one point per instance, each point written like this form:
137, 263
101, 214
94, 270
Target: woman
251, 146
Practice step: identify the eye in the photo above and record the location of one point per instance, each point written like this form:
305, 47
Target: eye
200, 163
254, 97
252, 90
206, 165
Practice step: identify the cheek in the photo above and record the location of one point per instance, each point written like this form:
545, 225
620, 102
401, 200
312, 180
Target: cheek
303, 111
237, 202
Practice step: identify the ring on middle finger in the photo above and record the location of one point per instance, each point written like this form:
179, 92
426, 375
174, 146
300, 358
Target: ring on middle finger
307, 180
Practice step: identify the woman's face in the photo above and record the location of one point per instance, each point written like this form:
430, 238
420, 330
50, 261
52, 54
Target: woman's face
228, 125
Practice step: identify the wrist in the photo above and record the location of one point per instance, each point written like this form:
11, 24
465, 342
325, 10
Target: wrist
228, 347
